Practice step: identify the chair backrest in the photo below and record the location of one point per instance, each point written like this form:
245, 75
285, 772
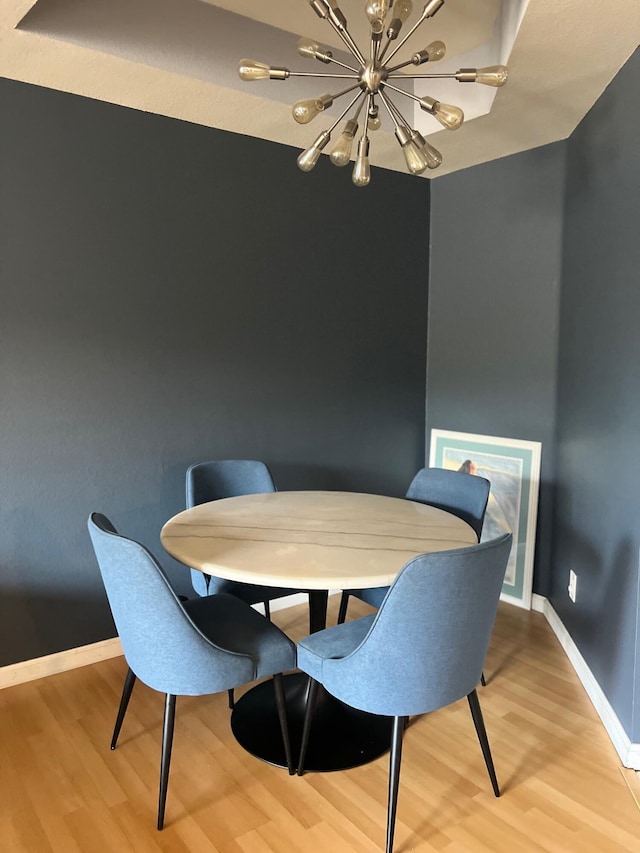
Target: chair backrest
427, 644
226, 478
463, 495
161, 644
223, 478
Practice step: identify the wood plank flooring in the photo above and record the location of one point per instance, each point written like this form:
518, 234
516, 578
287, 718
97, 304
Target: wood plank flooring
563, 789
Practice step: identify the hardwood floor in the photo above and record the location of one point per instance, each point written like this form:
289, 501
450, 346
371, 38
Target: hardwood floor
62, 789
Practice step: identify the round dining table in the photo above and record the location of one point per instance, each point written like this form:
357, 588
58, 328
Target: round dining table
315, 541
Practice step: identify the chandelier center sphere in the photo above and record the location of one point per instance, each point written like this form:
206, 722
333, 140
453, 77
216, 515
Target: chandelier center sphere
373, 76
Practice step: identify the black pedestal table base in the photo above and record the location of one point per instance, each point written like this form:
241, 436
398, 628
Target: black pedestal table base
341, 737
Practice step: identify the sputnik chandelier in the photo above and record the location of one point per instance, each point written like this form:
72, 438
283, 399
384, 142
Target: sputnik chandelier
373, 80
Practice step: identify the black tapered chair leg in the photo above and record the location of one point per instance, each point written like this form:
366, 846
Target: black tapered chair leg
478, 721
312, 698
278, 686
267, 610
483, 680
342, 612
232, 700
399, 725
311, 612
167, 742
129, 681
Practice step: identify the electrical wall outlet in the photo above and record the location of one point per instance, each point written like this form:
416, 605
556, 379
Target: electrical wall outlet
573, 583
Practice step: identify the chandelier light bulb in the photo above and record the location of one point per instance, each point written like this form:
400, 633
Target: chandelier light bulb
341, 153
310, 49
362, 170
308, 159
402, 9
376, 11
305, 111
415, 159
432, 155
449, 116
250, 70
493, 75
431, 53
374, 122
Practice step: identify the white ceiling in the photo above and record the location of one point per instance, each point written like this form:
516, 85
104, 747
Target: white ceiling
179, 57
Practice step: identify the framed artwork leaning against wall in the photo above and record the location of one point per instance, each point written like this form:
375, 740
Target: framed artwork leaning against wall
512, 466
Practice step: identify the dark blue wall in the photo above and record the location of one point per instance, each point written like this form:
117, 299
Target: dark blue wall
534, 305
172, 293
598, 515
496, 260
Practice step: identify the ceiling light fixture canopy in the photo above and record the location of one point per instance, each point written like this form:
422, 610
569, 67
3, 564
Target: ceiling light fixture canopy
373, 79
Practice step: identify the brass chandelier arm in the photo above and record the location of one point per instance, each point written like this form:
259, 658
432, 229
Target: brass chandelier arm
453, 76
356, 115
429, 11
326, 76
385, 49
401, 65
346, 110
401, 91
388, 104
346, 92
345, 35
375, 48
396, 116
343, 65
432, 53
329, 11
369, 101
403, 41
350, 43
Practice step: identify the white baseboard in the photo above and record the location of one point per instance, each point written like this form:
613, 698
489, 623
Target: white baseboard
629, 752
29, 670
538, 602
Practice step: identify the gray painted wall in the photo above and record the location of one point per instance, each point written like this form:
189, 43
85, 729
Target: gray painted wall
495, 267
172, 293
598, 506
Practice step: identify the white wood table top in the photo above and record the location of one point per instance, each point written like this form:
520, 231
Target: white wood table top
311, 540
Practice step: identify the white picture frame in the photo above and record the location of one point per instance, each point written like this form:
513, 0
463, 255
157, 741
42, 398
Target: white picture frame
512, 466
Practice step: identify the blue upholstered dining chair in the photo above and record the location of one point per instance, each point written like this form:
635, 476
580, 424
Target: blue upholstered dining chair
422, 650
180, 648
230, 478
463, 495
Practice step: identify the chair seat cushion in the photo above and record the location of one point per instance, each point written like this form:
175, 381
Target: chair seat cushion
332, 643
234, 626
